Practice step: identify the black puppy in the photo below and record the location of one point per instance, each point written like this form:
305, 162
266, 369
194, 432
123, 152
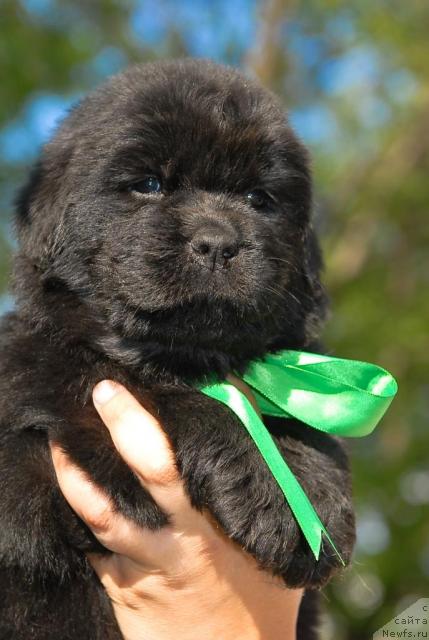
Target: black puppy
164, 236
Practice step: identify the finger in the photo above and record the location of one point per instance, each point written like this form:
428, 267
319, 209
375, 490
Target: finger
86, 499
143, 445
136, 434
93, 506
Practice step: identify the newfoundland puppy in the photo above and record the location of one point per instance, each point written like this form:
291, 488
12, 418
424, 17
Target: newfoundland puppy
165, 237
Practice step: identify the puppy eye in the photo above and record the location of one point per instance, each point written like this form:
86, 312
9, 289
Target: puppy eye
259, 199
151, 184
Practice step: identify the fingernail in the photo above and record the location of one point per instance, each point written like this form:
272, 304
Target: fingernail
104, 391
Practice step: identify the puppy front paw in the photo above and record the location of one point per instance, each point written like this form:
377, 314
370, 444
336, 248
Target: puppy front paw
224, 472
256, 514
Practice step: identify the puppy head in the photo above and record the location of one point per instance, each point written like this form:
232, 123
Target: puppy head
172, 208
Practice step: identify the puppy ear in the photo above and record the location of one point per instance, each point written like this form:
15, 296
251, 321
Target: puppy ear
313, 263
313, 267
26, 195
40, 205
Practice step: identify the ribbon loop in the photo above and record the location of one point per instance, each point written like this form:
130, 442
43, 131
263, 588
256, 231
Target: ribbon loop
338, 396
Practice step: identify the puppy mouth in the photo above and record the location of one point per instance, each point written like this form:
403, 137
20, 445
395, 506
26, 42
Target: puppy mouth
219, 280
215, 263
209, 301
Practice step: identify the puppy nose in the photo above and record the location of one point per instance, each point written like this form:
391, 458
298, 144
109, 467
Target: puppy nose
214, 245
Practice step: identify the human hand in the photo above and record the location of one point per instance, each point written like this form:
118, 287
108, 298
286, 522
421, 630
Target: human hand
188, 579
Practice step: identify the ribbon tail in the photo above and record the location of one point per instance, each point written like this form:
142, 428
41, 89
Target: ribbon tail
300, 505
298, 501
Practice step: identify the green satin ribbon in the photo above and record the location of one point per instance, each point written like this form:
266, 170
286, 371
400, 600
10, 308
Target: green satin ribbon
340, 397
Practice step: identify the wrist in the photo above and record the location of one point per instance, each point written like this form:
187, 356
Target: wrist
212, 608
193, 610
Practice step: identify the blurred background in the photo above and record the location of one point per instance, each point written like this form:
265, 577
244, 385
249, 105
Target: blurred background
353, 76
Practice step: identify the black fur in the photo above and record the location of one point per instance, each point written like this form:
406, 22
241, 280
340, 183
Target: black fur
112, 283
